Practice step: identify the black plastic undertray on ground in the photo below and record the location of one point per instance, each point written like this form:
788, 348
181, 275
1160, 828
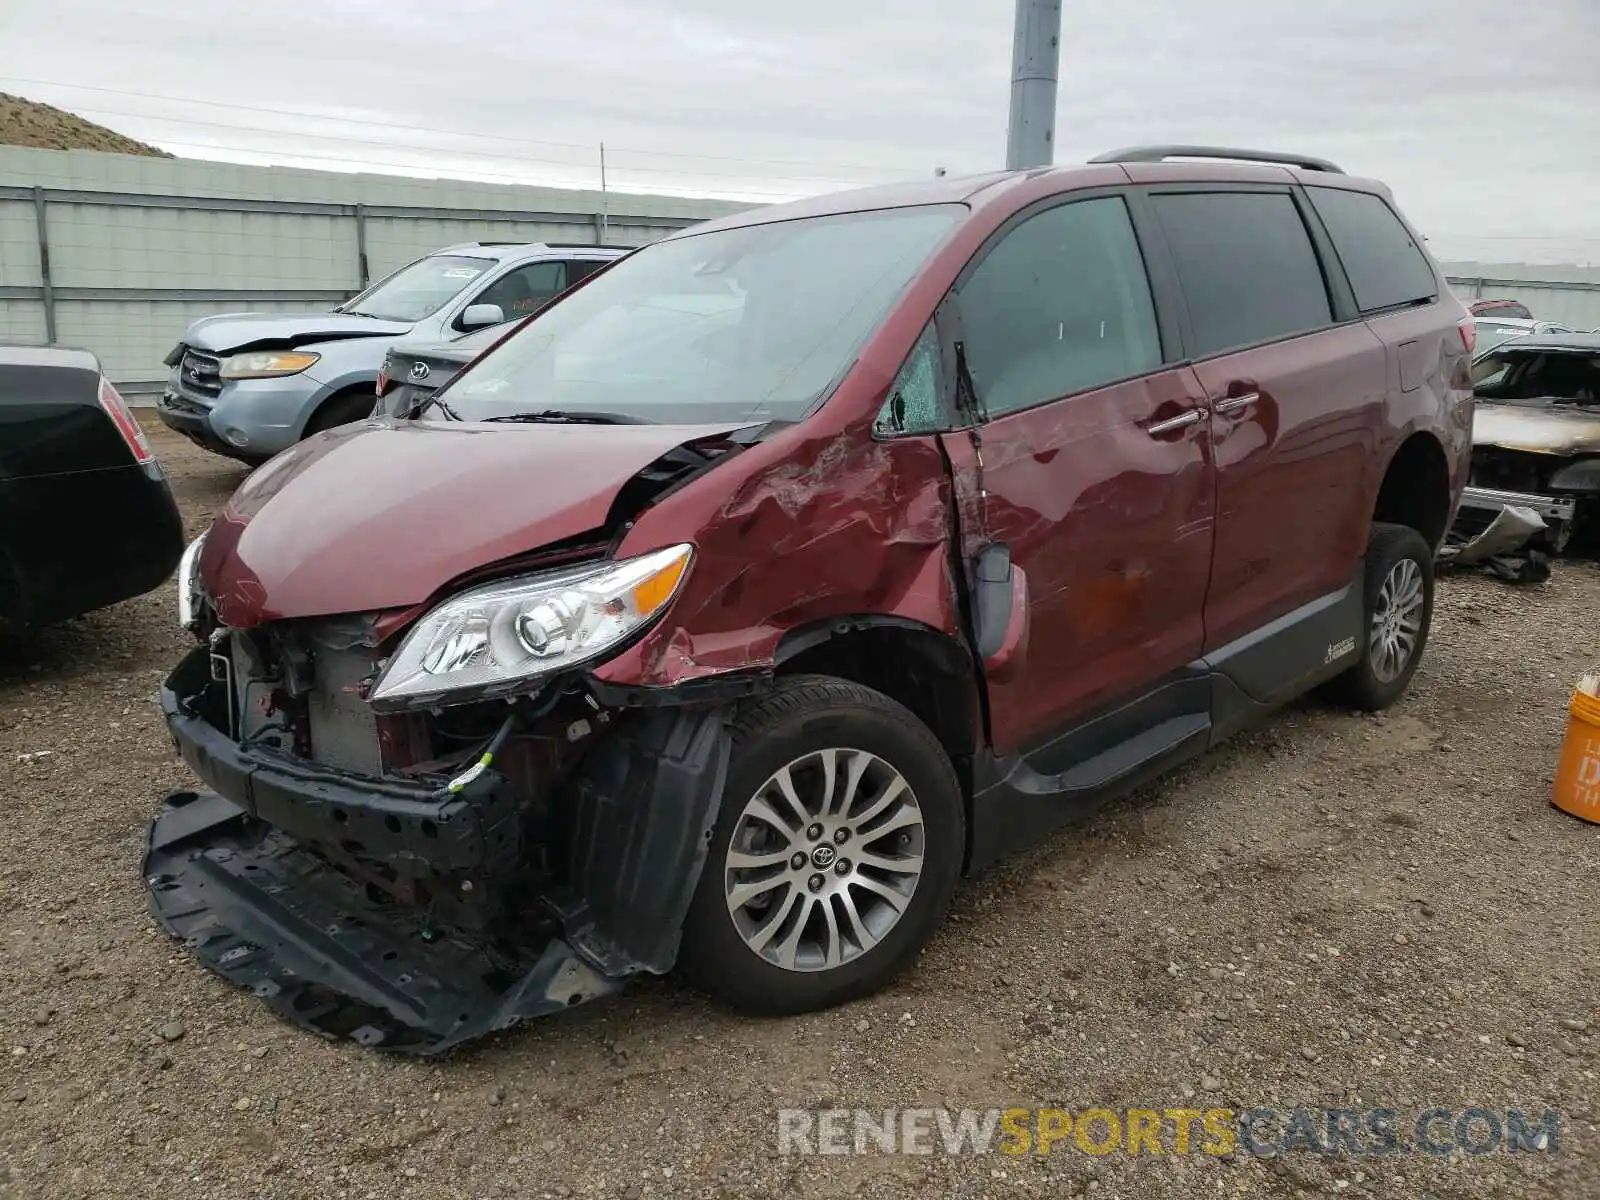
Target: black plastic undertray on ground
268, 915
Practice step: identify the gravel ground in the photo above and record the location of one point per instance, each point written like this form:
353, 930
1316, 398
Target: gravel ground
1334, 910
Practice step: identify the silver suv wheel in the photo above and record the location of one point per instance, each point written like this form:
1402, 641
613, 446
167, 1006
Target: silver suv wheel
1396, 620
824, 859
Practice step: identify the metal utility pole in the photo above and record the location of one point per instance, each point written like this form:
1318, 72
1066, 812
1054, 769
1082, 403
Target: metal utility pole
1035, 62
605, 197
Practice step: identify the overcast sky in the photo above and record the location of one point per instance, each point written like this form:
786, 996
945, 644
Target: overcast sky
1483, 116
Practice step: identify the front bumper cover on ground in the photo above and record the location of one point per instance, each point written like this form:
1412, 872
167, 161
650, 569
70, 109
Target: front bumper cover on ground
1555, 510
1509, 534
240, 879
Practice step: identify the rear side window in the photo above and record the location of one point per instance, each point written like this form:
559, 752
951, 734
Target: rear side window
1385, 266
1060, 305
1247, 267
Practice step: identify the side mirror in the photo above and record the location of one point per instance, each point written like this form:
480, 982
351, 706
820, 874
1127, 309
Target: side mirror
481, 316
1000, 610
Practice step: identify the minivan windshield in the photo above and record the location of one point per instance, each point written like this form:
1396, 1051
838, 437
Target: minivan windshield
745, 324
419, 290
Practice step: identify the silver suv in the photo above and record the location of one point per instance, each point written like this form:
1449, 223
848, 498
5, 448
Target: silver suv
249, 385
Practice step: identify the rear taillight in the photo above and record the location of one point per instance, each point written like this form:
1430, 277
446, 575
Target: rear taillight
383, 383
1469, 334
122, 417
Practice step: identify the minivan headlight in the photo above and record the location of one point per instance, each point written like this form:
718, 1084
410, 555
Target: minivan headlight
494, 640
189, 584
266, 365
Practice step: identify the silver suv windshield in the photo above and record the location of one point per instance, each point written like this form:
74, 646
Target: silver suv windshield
419, 290
752, 323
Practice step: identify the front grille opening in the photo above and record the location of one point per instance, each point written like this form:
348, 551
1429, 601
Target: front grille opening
200, 373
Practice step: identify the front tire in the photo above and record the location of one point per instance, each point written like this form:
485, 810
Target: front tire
835, 854
342, 409
1398, 613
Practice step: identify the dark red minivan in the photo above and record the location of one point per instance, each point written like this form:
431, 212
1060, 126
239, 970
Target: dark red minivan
736, 604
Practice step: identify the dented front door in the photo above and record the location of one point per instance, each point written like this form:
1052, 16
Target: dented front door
1089, 463
1110, 527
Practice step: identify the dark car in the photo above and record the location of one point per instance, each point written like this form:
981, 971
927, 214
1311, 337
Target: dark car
1536, 436
1500, 308
749, 594
86, 516
412, 372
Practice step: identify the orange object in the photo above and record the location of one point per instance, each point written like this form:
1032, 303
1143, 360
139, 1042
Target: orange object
1577, 788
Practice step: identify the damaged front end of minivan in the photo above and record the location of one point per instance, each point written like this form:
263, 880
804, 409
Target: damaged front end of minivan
435, 819
1535, 477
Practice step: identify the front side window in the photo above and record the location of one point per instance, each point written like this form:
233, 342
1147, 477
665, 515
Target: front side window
524, 290
421, 289
1386, 268
751, 323
1246, 266
1060, 305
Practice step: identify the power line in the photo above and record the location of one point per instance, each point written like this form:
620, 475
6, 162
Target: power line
497, 137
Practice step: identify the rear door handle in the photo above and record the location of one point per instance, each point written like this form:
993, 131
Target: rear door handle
1178, 422
1235, 403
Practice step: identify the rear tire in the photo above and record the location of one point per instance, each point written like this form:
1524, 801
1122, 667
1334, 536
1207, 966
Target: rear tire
1397, 614
341, 409
798, 910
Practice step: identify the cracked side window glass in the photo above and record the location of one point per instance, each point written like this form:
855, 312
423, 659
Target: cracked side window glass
914, 405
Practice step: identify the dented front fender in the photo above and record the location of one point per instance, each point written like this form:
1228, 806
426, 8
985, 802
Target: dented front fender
808, 526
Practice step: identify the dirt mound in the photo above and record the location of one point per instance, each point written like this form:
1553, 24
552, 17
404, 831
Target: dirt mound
44, 127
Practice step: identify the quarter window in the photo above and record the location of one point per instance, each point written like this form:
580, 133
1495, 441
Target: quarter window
1060, 305
1385, 265
1246, 265
914, 404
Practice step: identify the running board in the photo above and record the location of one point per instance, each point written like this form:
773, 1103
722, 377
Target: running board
1011, 812
1105, 770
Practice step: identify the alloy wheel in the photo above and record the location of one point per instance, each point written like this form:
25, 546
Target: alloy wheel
1396, 620
824, 859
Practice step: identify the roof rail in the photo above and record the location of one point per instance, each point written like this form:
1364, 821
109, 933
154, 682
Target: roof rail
1152, 154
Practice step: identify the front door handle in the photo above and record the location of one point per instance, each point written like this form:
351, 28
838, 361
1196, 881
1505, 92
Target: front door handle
1178, 422
1235, 403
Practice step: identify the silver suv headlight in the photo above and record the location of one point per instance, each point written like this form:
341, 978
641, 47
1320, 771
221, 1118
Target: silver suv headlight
189, 584
493, 640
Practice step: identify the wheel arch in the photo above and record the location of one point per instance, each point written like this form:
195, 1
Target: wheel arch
336, 396
1415, 490
929, 672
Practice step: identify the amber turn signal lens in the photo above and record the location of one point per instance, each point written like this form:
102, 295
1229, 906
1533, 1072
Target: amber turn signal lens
658, 589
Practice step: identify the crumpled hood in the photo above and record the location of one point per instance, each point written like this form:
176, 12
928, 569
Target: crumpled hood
380, 516
1562, 430
241, 331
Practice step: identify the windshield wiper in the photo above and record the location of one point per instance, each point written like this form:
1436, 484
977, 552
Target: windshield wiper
560, 416
433, 400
